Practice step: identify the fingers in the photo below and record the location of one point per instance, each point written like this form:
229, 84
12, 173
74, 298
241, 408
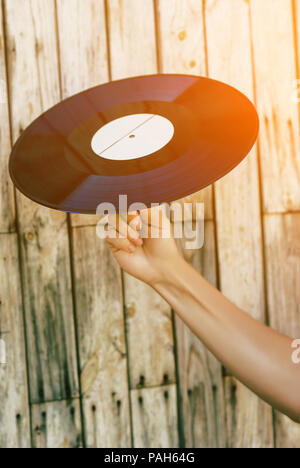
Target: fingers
117, 244
155, 222
126, 229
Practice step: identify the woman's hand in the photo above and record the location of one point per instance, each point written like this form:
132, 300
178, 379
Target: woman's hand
258, 356
143, 245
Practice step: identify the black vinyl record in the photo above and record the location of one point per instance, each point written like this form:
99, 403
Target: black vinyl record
153, 138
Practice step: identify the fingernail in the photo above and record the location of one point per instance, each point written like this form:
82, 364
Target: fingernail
140, 241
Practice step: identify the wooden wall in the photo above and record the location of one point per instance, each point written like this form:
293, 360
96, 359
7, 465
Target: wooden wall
94, 357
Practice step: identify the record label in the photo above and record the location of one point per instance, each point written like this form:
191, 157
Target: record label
133, 136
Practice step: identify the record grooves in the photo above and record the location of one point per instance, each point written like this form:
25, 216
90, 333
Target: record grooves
153, 138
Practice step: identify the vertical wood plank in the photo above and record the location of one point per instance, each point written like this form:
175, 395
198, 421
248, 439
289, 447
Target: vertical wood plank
132, 38
275, 70
296, 12
150, 334
7, 210
82, 29
182, 50
82, 45
238, 205
133, 52
155, 417
57, 425
102, 342
283, 276
83, 55
14, 408
242, 415
33, 73
201, 385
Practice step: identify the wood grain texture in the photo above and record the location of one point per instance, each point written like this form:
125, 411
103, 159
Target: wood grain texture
132, 38
239, 231
150, 337
83, 55
14, 407
33, 73
57, 425
296, 13
282, 236
275, 72
248, 423
101, 341
155, 417
41, 64
201, 384
182, 50
133, 52
7, 209
132, 46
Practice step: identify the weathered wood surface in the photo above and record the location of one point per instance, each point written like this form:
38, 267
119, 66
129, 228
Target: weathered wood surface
54, 49
239, 230
202, 408
248, 424
83, 55
201, 411
133, 52
155, 417
275, 74
103, 354
98, 290
150, 336
14, 407
34, 86
57, 425
132, 38
181, 46
283, 280
7, 210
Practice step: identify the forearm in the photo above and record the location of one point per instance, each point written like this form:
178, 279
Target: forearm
257, 355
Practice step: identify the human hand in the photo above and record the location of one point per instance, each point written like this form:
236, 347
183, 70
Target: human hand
143, 245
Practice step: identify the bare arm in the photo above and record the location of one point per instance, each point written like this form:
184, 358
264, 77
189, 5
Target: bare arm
258, 356
255, 354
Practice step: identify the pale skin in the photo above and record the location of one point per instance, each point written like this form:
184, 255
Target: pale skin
258, 356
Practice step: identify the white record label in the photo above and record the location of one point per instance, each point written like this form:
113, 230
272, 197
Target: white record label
132, 137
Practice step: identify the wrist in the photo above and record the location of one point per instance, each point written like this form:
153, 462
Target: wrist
169, 274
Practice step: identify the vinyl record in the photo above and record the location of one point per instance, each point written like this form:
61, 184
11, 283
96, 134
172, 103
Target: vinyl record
153, 138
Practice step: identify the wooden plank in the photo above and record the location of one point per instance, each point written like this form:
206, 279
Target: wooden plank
14, 408
242, 414
149, 326
133, 51
155, 417
296, 12
57, 425
102, 342
283, 279
83, 55
237, 200
151, 360
182, 50
132, 38
33, 72
201, 385
7, 210
275, 70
